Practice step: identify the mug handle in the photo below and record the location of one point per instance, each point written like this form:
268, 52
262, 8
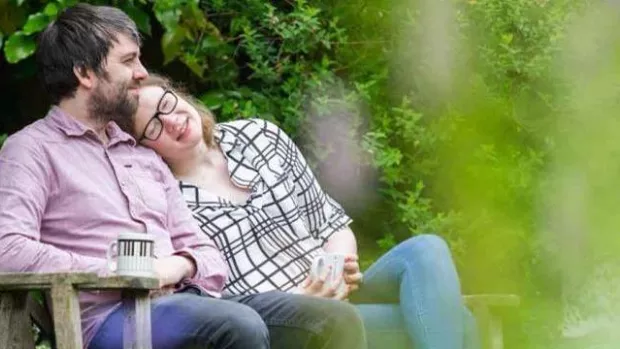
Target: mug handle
112, 265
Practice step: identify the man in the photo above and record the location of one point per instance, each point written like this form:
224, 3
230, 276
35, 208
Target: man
73, 180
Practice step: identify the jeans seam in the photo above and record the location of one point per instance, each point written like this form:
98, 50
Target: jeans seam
293, 324
405, 263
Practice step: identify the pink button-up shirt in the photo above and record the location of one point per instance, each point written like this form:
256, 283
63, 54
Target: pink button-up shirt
65, 196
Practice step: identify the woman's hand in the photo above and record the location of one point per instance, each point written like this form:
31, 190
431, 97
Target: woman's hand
351, 272
318, 287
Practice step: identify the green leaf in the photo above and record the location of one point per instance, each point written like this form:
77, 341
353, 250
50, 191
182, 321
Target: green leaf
213, 100
51, 9
192, 62
67, 3
171, 42
168, 17
18, 47
1, 39
140, 17
35, 23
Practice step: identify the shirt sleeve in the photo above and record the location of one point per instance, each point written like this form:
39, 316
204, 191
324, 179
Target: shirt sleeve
24, 192
189, 241
322, 215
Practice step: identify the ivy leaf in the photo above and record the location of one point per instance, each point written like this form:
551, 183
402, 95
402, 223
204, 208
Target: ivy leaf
51, 9
140, 17
35, 23
18, 47
171, 42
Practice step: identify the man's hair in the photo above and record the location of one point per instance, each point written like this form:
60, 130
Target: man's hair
81, 38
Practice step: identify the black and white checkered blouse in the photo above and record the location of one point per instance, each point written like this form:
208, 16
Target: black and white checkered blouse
268, 242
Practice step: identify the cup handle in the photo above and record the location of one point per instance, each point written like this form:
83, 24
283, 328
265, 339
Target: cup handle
318, 267
112, 265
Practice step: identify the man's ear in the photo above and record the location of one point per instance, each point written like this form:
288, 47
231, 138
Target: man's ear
86, 77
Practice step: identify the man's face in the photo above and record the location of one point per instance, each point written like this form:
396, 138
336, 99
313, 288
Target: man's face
115, 94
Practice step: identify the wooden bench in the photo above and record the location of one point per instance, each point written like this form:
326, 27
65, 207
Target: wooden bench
484, 307
16, 311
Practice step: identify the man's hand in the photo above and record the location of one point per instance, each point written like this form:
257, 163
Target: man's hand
319, 288
172, 269
351, 272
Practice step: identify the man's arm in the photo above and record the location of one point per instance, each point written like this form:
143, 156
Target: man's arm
24, 191
206, 266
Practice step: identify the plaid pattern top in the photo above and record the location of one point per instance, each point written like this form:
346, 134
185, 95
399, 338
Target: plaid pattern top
270, 241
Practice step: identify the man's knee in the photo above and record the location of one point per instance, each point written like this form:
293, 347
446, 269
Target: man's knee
247, 328
347, 326
189, 318
344, 313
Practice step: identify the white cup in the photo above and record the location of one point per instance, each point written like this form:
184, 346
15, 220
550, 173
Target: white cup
132, 254
322, 262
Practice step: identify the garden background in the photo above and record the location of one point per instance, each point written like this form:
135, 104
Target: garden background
492, 123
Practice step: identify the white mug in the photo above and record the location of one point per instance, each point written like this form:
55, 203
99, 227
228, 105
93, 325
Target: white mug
324, 261
134, 254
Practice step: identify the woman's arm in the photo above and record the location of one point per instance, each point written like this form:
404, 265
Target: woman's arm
342, 241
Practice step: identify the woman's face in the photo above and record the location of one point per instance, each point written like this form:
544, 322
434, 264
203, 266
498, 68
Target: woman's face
166, 123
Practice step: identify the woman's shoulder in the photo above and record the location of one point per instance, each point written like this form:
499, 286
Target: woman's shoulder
250, 128
249, 125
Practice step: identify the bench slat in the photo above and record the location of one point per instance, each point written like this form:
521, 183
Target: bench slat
492, 300
85, 281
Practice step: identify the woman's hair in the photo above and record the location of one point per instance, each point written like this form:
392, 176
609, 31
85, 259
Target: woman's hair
208, 120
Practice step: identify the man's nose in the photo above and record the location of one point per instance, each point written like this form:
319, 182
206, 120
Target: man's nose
140, 73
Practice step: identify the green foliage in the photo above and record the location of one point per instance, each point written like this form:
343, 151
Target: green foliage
454, 119
2, 139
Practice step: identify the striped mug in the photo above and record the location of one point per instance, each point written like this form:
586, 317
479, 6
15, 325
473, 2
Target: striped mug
132, 254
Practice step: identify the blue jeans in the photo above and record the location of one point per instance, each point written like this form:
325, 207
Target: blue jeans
411, 298
274, 320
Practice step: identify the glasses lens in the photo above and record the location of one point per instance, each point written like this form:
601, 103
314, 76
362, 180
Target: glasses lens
167, 103
153, 129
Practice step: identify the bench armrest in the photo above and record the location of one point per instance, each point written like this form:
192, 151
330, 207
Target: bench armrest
82, 281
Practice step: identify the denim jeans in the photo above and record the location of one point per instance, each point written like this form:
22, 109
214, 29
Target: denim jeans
411, 298
267, 320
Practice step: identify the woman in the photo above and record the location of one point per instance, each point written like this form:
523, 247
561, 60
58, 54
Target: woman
252, 192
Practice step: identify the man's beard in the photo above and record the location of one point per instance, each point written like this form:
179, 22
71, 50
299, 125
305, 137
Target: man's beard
115, 106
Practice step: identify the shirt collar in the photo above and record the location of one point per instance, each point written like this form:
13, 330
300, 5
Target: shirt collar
74, 128
226, 140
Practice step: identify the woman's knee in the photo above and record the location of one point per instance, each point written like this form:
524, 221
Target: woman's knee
427, 247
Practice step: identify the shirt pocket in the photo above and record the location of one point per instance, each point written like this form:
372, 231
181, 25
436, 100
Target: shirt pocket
150, 189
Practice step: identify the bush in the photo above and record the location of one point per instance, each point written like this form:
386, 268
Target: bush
444, 111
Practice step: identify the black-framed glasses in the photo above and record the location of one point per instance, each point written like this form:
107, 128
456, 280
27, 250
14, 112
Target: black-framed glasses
155, 126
